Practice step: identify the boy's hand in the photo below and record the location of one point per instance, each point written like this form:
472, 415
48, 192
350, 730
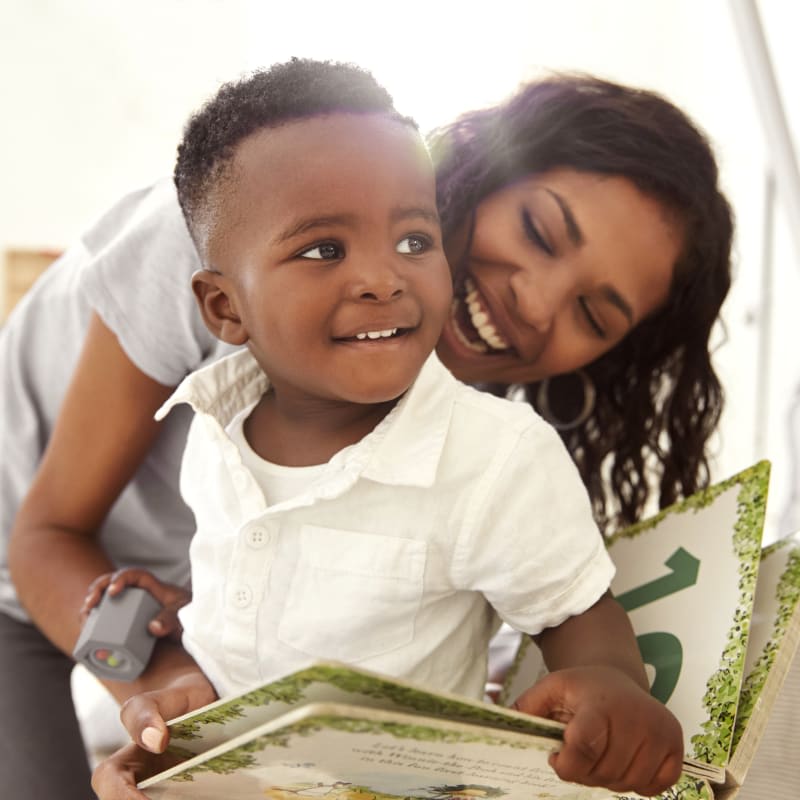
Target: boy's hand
117, 776
617, 735
144, 715
172, 598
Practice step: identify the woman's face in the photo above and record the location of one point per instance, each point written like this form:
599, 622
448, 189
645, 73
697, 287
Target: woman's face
562, 266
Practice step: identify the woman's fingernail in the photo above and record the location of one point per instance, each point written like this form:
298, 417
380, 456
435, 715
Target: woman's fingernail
151, 739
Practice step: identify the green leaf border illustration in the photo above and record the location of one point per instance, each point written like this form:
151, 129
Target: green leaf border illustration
787, 593
687, 788
292, 691
721, 699
243, 756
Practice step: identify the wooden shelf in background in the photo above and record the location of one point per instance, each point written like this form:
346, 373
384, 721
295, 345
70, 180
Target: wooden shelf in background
22, 267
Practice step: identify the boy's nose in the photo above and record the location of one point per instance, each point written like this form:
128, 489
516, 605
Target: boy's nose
379, 282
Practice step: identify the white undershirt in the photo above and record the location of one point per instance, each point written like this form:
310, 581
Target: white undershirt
277, 482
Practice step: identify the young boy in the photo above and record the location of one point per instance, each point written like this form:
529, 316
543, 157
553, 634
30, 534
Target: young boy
353, 500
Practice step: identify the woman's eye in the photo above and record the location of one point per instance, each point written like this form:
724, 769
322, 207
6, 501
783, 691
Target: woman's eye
532, 232
326, 251
594, 323
413, 245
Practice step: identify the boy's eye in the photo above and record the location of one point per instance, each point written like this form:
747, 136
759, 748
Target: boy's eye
324, 252
413, 244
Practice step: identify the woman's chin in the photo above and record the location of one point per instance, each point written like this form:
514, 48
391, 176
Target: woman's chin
472, 365
468, 364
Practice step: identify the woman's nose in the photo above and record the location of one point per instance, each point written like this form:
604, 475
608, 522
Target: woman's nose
539, 298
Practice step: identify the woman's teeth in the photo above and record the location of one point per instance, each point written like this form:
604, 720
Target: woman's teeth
377, 334
480, 319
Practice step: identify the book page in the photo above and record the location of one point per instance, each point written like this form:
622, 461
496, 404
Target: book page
687, 578
774, 637
332, 682
340, 752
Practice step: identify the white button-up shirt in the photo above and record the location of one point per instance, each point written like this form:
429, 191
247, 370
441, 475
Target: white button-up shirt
459, 509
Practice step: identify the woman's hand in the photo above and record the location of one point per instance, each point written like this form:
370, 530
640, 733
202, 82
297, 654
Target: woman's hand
617, 735
171, 597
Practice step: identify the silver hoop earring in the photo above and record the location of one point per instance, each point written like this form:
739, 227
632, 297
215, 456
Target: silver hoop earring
589, 398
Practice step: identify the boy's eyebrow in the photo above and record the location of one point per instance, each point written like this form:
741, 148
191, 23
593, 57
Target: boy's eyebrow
309, 223
398, 214
409, 212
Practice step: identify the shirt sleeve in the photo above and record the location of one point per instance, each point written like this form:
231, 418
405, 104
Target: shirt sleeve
138, 279
533, 548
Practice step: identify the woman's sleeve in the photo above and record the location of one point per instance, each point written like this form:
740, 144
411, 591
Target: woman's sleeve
138, 279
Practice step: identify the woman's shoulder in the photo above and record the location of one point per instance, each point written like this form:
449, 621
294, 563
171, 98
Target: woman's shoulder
146, 219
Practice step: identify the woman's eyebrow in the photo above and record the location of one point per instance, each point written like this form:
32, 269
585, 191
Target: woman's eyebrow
617, 300
573, 230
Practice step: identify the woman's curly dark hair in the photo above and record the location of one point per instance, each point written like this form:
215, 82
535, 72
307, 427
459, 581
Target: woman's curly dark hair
658, 396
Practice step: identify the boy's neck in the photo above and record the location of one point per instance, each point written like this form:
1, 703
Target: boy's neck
292, 437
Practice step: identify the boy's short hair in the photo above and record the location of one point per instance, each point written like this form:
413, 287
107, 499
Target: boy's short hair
286, 92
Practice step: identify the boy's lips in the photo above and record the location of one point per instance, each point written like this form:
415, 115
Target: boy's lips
375, 330
473, 323
374, 335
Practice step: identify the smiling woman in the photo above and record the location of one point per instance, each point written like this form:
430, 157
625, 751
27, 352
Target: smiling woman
586, 229
558, 269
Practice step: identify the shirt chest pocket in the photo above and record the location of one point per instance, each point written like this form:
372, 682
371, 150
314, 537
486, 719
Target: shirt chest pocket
353, 595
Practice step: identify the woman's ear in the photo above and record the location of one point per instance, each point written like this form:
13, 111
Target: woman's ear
216, 299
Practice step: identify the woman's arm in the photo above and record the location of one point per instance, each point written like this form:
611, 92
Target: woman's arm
104, 431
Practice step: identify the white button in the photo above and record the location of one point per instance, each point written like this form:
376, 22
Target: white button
242, 596
257, 538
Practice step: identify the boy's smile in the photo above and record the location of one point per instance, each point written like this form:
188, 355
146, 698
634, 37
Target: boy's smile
327, 238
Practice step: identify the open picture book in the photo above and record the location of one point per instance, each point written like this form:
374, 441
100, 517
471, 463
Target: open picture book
688, 578
716, 618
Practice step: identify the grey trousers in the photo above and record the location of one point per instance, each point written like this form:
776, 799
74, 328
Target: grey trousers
42, 755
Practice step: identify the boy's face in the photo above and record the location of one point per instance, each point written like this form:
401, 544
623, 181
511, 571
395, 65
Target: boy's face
328, 241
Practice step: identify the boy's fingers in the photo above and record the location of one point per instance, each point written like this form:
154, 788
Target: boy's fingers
667, 775
143, 717
546, 698
586, 742
116, 777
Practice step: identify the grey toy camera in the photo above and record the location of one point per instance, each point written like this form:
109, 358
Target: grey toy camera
115, 643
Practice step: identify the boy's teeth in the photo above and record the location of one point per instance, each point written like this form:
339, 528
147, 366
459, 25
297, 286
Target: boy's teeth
376, 334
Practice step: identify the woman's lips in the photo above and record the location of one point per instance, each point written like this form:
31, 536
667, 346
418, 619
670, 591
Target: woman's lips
473, 323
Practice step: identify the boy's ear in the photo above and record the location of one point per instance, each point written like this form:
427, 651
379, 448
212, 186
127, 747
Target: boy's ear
215, 297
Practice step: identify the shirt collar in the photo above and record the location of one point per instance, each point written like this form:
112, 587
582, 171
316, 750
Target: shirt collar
403, 449
221, 389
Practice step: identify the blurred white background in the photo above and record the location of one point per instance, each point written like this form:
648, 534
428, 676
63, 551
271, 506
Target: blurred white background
94, 94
